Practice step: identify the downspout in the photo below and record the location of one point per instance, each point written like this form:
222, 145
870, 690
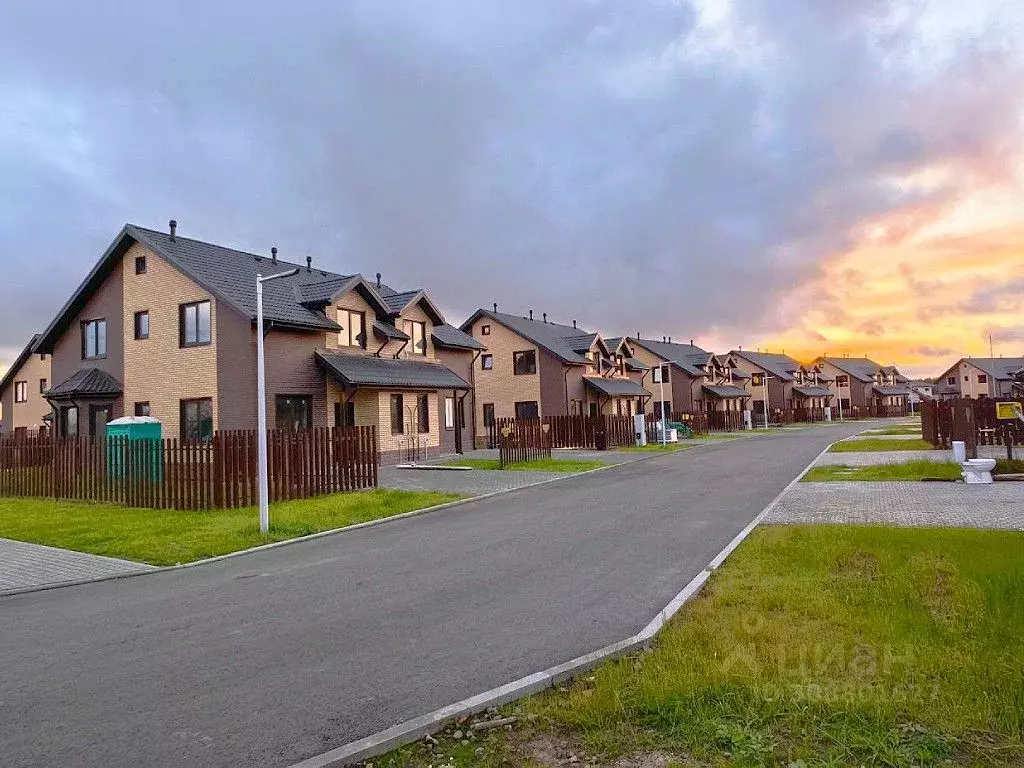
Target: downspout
404, 345
565, 379
472, 381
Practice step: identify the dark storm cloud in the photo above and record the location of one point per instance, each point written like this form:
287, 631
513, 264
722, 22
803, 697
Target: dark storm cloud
613, 162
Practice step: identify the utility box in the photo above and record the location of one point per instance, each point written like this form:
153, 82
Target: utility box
134, 448
640, 428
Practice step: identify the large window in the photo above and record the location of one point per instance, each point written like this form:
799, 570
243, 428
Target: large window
417, 332
951, 380
527, 409
197, 419
658, 374
488, 414
423, 414
294, 412
141, 325
142, 409
140, 265
194, 324
524, 363
21, 391
449, 413
982, 378
486, 362
94, 339
345, 414
662, 407
842, 381
353, 328
397, 415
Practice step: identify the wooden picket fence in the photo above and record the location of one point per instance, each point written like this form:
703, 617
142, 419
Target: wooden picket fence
524, 440
173, 474
972, 421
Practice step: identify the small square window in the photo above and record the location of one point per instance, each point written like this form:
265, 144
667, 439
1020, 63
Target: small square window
142, 409
485, 330
140, 265
486, 362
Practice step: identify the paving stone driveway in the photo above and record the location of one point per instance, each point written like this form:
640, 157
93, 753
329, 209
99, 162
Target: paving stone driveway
1000, 505
32, 565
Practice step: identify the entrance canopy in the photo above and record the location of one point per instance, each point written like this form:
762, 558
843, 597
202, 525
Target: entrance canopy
615, 387
387, 373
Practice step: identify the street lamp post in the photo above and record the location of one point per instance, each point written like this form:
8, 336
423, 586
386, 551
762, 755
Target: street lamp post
261, 400
764, 385
664, 420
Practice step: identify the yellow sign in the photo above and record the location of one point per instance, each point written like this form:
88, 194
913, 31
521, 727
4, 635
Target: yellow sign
1009, 411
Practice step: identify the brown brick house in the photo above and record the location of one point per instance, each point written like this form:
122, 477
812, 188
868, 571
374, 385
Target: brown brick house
695, 380
23, 409
165, 326
536, 368
862, 383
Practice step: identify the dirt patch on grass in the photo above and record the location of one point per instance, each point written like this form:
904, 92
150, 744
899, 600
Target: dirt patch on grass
552, 750
856, 566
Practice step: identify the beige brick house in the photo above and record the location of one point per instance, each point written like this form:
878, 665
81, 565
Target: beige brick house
164, 326
536, 368
980, 377
23, 409
857, 382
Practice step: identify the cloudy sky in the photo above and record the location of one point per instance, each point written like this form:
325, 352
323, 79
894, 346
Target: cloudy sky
820, 177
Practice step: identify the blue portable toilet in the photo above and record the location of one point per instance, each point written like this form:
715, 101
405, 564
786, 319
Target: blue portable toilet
148, 461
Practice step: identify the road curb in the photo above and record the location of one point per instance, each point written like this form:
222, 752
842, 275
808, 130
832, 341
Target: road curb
418, 727
150, 570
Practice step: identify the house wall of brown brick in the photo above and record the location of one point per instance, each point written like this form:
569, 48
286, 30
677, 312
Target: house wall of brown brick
106, 303
158, 370
780, 393
856, 392
27, 415
556, 379
500, 385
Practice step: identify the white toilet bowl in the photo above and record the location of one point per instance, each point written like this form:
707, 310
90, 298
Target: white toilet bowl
977, 471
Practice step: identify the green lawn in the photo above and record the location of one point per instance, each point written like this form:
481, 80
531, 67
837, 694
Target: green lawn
880, 444
167, 537
1009, 467
916, 430
812, 646
540, 465
911, 470
653, 448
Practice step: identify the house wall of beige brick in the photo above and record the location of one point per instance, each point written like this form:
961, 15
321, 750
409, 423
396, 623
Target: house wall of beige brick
416, 313
500, 385
352, 300
106, 303
158, 370
29, 414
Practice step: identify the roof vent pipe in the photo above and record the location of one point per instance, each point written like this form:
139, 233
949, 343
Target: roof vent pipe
531, 314
669, 339
691, 342
273, 255
545, 317
495, 306
173, 225
573, 323
309, 263
378, 280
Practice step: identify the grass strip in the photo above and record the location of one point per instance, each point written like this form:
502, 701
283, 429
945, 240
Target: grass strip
169, 537
880, 444
908, 471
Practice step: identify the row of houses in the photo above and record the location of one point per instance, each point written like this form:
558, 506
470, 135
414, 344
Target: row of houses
165, 326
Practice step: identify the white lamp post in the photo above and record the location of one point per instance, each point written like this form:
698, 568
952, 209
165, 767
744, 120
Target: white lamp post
764, 385
261, 401
664, 419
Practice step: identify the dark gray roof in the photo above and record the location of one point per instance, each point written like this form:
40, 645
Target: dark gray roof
86, 382
778, 365
725, 391
739, 373
812, 391
366, 371
449, 336
557, 339
889, 390
398, 301
635, 365
322, 292
581, 342
1003, 368
615, 387
18, 362
689, 357
861, 368
388, 331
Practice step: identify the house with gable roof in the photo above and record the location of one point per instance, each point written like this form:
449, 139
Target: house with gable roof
535, 368
980, 377
23, 409
858, 382
165, 326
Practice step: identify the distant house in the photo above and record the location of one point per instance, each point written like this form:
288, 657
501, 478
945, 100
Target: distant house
23, 408
981, 376
857, 382
780, 372
686, 378
165, 326
535, 368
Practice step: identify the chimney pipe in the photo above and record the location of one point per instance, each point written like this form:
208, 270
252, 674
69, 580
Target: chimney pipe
173, 225
273, 255
531, 314
669, 339
378, 279
691, 342
545, 317
573, 323
309, 263
495, 306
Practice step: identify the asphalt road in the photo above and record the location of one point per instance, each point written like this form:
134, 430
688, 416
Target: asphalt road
273, 657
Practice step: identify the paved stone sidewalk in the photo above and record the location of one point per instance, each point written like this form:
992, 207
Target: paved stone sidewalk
1000, 505
32, 565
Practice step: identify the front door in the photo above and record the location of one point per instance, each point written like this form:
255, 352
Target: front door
99, 415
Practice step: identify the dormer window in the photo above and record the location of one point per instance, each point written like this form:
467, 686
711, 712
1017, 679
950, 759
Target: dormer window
416, 330
353, 328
